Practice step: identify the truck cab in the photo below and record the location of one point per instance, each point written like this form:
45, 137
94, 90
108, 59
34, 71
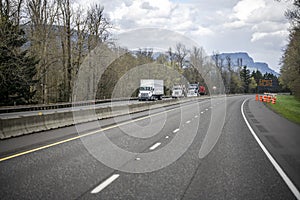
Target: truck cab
178, 91
193, 90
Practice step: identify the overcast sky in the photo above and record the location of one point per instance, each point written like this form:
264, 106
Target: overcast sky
258, 27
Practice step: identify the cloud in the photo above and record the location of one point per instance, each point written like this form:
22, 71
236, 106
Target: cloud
219, 25
128, 2
269, 26
235, 24
147, 6
245, 8
270, 36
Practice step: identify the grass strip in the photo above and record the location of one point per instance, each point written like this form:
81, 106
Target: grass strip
287, 106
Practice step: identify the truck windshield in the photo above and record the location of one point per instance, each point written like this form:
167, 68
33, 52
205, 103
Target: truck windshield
146, 88
177, 88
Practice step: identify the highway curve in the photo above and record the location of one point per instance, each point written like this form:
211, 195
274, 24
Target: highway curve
160, 157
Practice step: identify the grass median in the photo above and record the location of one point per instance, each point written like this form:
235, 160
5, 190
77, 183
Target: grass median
287, 106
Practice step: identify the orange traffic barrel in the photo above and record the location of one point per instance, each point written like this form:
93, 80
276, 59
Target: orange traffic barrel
269, 99
260, 98
265, 98
274, 100
256, 97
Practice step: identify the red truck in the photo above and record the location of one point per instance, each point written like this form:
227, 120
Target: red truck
202, 90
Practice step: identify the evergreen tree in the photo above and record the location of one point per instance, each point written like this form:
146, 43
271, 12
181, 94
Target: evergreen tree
245, 77
257, 75
17, 68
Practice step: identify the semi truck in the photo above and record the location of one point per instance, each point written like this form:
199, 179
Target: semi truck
193, 90
178, 91
202, 90
151, 89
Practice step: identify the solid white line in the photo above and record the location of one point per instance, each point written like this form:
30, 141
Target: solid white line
176, 130
155, 146
188, 122
104, 184
283, 175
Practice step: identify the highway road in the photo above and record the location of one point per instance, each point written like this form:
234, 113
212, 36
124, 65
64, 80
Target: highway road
174, 152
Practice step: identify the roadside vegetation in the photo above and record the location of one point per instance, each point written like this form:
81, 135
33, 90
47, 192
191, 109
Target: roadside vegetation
290, 70
287, 106
44, 43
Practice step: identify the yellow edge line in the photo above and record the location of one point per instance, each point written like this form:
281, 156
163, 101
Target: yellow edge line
84, 135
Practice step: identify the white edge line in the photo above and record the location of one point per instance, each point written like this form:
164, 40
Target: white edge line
104, 184
283, 175
155, 146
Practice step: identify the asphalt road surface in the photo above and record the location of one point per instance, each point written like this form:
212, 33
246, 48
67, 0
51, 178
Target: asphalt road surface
175, 152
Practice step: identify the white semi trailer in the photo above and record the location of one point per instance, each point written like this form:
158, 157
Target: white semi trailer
151, 89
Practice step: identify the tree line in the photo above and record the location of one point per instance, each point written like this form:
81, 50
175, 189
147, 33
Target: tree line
290, 70
44, 42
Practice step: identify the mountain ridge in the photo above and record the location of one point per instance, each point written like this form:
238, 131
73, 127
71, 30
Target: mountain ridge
243, 59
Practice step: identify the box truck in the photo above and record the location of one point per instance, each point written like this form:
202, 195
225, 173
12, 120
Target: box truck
151, 89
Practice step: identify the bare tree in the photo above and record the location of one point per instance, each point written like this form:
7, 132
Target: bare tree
81, 34
64, 21
12, 9
41, 16
98, 26
180, 54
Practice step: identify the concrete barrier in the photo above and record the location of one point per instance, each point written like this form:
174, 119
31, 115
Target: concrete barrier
12, 127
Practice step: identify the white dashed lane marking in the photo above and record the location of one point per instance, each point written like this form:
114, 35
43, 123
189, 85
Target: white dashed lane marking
176, 130
155, 146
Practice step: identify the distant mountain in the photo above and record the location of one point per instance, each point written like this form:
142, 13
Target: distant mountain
242, 58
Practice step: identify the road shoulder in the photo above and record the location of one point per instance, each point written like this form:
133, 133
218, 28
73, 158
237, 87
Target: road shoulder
280, 136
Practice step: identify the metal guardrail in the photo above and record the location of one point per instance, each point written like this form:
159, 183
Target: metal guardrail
59, 105
13, 109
